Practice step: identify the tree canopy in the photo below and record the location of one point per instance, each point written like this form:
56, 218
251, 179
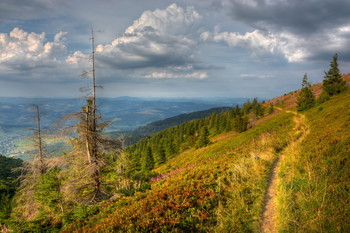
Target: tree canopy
305, 98
333, 83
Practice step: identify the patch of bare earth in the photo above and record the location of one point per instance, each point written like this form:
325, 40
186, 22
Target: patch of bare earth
268, 223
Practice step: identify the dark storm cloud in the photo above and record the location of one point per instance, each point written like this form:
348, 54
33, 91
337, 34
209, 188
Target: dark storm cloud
296, 31
296, 16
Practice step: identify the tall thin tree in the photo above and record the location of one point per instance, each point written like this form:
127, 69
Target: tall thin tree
39, 160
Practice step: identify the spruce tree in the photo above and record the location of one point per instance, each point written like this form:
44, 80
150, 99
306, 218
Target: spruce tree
203, 138
240, 123
148, 160
160, 154
271, 108
305, 98
333, 83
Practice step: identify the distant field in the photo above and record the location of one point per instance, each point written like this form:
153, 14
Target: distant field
54, 145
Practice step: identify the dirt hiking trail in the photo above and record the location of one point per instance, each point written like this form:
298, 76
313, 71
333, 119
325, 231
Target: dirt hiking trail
269, 211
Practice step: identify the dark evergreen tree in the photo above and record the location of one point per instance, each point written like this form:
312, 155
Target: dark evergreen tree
160, 154
247, 107
257, 108
229, 117
237, 110
148, 160
333, 83
271, 109
240, 123
305, 98
203, 138
8, 184
214, 123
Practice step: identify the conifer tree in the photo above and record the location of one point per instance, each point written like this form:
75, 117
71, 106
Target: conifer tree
203, 138
271, 108
160, 154
83, 182
240, 123
148, 160
27, 205
229, 117
333, 83
257, 108
246, 108
305, 98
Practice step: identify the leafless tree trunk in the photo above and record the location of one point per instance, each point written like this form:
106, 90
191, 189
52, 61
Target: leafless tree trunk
92, 150
40, 157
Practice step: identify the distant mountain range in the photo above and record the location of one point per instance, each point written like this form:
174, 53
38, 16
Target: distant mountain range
124, 113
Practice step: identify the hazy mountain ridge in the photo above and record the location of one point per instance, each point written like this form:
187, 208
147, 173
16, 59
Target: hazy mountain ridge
124, 113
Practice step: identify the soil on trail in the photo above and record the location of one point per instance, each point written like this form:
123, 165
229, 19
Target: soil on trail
269, 210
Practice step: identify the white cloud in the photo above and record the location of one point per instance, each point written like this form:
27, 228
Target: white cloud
160, 38
298, 30
23, 50
77, 57
293, 47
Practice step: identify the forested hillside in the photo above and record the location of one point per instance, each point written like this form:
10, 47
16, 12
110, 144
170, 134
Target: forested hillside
144, 131
158, 148
8, 184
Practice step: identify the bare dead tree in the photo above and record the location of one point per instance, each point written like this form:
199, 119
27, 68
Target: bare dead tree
86, 161
40, 156
31, 171
91, 141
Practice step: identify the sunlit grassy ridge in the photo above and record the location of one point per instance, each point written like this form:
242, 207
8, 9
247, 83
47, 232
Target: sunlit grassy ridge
221, 187
314, 185
224, 186
217, 188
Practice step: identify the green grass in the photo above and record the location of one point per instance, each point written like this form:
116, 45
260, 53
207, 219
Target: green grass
314, 188
219, 188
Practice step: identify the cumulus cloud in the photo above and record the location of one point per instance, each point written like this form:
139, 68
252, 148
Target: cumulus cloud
298, 30
294, 48
160, 38
262, 44
23, 50
256, 41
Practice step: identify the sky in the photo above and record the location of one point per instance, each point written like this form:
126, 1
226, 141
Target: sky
161, 48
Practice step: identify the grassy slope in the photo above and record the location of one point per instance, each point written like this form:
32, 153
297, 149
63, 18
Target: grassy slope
220, 187
314, 189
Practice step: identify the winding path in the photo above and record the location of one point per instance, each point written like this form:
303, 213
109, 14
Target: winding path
269, 213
